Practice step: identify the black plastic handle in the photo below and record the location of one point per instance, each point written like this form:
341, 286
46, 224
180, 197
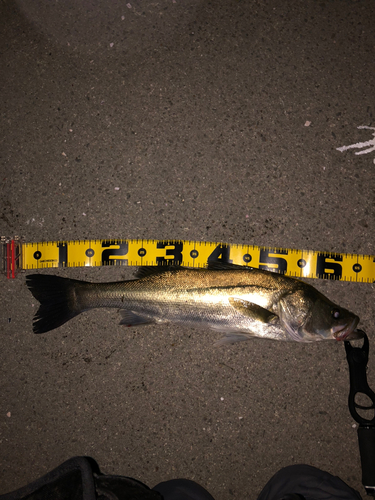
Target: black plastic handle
366, 440
357, 359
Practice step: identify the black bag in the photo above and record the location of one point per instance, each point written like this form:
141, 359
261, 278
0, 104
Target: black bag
80, 479
306, 483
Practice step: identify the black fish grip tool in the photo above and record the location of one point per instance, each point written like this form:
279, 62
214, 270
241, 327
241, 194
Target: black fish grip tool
357, 359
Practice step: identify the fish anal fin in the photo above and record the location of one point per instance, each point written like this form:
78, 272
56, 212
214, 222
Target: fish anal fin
129, 318
253, 311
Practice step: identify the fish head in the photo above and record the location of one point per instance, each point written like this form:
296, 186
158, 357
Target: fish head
309, 316
330, 321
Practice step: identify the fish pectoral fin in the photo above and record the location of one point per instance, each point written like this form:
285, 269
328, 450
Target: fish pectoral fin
253, 311
129, 318
231, 338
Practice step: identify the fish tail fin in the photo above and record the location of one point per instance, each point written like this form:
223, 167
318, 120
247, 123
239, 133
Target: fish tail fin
58, 302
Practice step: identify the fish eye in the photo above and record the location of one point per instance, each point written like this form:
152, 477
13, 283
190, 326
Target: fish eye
335, 313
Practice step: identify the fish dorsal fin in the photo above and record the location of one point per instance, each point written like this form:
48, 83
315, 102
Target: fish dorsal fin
225, 266
145, 271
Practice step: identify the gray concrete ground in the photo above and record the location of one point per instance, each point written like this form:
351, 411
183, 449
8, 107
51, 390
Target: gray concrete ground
217, 121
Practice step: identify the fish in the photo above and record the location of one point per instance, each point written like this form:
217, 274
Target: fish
239, 301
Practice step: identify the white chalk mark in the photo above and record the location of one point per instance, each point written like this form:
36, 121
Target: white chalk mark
360, 145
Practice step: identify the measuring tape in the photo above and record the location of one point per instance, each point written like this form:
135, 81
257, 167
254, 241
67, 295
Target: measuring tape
18, 255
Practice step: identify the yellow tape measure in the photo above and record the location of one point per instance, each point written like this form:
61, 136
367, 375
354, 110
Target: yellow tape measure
18, 255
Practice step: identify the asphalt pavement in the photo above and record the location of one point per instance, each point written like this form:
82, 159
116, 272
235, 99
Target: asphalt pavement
197, 120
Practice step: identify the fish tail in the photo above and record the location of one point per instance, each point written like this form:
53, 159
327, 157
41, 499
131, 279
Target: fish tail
58, 300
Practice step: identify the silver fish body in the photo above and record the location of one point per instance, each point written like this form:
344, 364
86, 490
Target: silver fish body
241, 302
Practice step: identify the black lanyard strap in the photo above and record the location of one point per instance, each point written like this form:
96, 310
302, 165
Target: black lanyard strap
357, 359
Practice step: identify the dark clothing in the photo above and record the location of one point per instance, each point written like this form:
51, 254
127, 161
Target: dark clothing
182, 489
307, 482
80, 479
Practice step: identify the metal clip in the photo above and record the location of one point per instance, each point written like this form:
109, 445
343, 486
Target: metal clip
11, 256
357, 359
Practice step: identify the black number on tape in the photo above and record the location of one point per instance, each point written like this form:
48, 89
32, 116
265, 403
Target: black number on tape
122, 251
63, 254
265, 259
175, 253
329, 270
220, 254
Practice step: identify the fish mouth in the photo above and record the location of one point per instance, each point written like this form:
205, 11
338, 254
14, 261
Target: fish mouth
349, 332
